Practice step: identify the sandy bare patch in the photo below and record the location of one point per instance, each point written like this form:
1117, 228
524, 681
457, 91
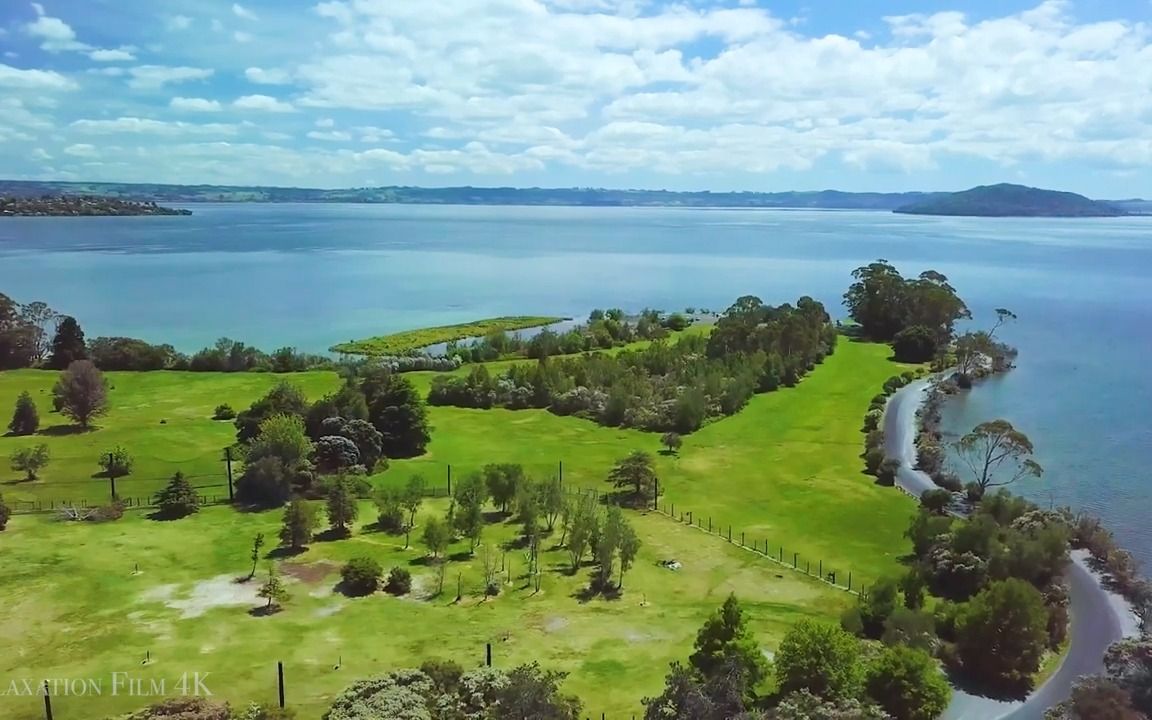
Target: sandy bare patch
555, 624
328, 610
220, 591
160, 629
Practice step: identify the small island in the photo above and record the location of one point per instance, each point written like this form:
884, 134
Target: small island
1007, 200
80, 206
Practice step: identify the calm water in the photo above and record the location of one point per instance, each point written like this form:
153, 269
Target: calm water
313, 275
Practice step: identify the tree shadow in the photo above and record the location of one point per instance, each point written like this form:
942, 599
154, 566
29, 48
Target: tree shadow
332, 534
343, 589
63, 430
425, 561
994, 688
284, 552
18, 481
264, 610
668, 453
162, 516
491, 517
461, 556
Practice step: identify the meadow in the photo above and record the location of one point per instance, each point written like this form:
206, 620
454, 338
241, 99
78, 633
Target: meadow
407, 340
786, 469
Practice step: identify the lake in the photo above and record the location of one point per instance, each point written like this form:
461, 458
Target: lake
314, 275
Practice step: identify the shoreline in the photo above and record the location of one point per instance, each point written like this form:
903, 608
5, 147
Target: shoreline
1098, 617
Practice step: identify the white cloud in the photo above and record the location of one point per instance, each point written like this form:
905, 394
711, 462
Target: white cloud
155, 76
262, 76
83, 150
179, 22
325, 123
242, 37
263, 103
370, 134
54, 34
194, 104
330, 135
242, 12
122, 54
33, 79
148, 126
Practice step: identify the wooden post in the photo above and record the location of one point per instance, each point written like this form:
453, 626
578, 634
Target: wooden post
729, 533
741, 539
560, 473
47, 702
656, 494
849, 579
821, 569
709, 524
228, 460
794, 556
488, 655
781, 553
280, 681
449, 481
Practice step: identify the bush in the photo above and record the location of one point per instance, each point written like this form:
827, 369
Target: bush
5, 513
399, 581
224, 412
936, 501
361, 576
886, 473
873, 459
851, 622
184, 708
916, 344
25, 418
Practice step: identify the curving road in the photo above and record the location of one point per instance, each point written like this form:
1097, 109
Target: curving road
1095, 622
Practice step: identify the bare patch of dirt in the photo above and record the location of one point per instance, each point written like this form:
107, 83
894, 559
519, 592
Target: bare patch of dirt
555, 624
309, 573
328, 610
220, 591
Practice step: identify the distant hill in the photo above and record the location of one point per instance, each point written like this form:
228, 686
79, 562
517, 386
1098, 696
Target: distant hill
1006, 200
822, 199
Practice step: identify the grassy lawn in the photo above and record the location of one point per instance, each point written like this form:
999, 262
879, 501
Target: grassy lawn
75, 608
398, 343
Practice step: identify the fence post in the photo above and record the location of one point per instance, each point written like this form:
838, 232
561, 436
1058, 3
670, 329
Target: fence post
781, 553
656, 494
280, 681
488, 654
821, 569
449, 480
560, 472
709, 524
741, 539
849, 579
729, 533
228, 460
47, 702
794, 556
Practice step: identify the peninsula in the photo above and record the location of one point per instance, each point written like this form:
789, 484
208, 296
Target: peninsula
1007, 200
81, 205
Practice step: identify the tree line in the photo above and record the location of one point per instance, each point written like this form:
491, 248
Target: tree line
664, 387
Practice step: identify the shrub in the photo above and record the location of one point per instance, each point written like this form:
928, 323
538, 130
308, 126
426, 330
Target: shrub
851, 621
886, 473
5, 513
178, 499
184, 708
224, 412
399, 581
361, 576
25, 418
914, 344
873, 459
264, 483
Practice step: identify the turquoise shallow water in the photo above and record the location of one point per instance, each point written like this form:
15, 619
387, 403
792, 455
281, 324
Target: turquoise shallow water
312, 275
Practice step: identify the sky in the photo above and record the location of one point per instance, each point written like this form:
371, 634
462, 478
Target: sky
761, 95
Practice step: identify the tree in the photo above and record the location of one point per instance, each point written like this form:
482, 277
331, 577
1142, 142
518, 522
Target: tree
688, 696
25, 417
436, 536
878, 300
283, 399
335, 453
298, 524
998, 454
342, 506
390, 515
257, 544
282, 437
399, 581
273, 590
178, 499
672, 441
912, 628
725, 640
1002, 632
1096, 698
915, 344
820, 658
636, 476
583, 528
17, 338
936, 501
81, 392
551, 502
397, 410
30, 460
876, 605
1003, 315
470, 494
116, 463
912, 586
5, 513
503, 481
530, 692
361, 576
803, 705
1129, 665
37, 316
607, 542
264, 483
68, 345
907, 684
369, 443
411, 501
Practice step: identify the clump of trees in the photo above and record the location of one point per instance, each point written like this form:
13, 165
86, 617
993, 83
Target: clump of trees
526, 691
361, 576
664, 387
298, 525
820, 670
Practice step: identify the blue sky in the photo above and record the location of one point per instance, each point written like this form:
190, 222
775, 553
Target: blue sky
739, 94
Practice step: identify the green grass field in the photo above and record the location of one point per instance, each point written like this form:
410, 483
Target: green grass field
786, 469
401, 342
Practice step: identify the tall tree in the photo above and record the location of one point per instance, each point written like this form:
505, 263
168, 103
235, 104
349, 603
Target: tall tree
342, 507
257, 544
530, 692
5, 513
397, 410
606, 545
503, 481
81, 392
283, 399
68, 346
725, 640
369, 442
584, 526
264, 483
878, 300
551, 502
636, 475
282, 437
1002, 632
820, 658
997, 454
298, 524
470, 494
907, 684
1096, 698
38, 317
30, 460
178, 499
629, 547
17, 339
411, 500
688, 696
273, 590
436, 536
25, 417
